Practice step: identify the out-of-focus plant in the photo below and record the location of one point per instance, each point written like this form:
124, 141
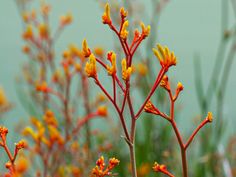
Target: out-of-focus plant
166, 58
215, 89
51, 96
14, 168
5, 105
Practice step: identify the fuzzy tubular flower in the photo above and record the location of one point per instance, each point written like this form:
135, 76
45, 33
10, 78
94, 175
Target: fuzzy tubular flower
111, 70
90, 67
126, 72
124, 33
166, 58
145, 30
85, 48
106, 18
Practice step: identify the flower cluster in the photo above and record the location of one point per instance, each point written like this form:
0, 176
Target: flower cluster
13, 169
101, 170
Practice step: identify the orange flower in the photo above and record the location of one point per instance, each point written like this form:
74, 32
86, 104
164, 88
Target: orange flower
106, 18
85, 48
3, 99
165, 83
21, 144
150, 108
102, 111
166, 58
111, 70
3, 132
100, 171
209, 117
43, 31
124, 33
126, 72
66, 19
45, 9
123, 13
145, 30
28, 33
90, 67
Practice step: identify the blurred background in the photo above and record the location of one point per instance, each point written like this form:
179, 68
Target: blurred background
194, 30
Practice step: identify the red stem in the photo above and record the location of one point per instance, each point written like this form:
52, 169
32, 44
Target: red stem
158, 80
194, 133
115, 76
115, 105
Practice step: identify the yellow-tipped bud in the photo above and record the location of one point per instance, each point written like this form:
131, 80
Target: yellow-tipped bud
166, 58
21, 144
106, 18
45, 9
124, 33
111, 70
164, 82
66, 19
210, 117
85, 48
126, 72
90, 67
123, 13
180, 87
142, 69
43, 31
3, 99
102, 111
28, 34
28, 131
145, 30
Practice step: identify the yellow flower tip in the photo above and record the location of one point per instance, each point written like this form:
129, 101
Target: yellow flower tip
8, 165
26, 49
3, 131
180, 86
124, 33
145, 30
100, 162
166, 58
90, 67
33, 14
3, 99
66, 19
26, 17
111, 70
77, 67
50, 119
123, 13
21, 144
113, 162
45, 9
165, 82
142, 69
42, 87
126, 72
102, 111
85, 48
98, 51
150, 108
210, 117
43, 31
28, 33
159, 168
22, 164
106, 18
